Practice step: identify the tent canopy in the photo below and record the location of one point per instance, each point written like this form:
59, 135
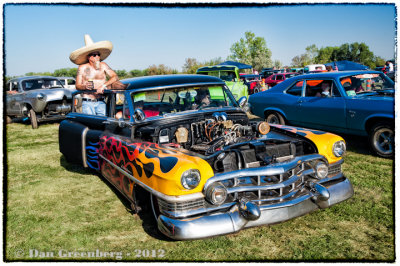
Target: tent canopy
237, 64
347, 65
216, 68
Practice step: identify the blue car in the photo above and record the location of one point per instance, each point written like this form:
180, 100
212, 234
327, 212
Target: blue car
350, 102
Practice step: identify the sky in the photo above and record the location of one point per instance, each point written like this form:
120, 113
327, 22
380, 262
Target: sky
40, 37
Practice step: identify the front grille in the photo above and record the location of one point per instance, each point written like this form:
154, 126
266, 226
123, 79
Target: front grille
277, 183
267, 189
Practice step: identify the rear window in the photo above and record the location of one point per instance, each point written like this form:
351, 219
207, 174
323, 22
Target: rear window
361, 83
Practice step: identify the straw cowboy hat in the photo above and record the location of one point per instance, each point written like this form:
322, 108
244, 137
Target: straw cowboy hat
80, 55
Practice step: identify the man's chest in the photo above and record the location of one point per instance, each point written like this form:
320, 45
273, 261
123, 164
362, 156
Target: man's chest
91, 73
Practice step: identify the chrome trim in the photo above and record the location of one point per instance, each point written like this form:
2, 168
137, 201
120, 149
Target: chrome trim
264, 188
273, 169
334, 164
270, 187
182, 198
84, 161
234, 219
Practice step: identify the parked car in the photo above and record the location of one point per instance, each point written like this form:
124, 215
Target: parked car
390, 74
358, 102
299, 70
229, 74
267, 72
67, 82
274, 79
40, 98
200, 166
314, 67
253, 83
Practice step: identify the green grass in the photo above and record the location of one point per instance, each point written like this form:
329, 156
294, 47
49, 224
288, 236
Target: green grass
53, 206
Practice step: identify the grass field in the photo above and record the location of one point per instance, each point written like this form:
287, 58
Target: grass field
53, 208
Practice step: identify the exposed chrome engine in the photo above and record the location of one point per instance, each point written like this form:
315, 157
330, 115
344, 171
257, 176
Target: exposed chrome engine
227, 143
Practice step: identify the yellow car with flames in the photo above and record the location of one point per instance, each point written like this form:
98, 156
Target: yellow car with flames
182, 147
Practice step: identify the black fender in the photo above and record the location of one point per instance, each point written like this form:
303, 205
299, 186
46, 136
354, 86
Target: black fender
78, 144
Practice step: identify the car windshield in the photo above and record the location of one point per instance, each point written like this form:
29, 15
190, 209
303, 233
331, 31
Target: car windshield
44, 83
175, 100
290, 75
227, 75
362, 83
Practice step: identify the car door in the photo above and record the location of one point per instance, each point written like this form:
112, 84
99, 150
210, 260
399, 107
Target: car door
271, 80
79, 133
321, 112
14, 99
279, 78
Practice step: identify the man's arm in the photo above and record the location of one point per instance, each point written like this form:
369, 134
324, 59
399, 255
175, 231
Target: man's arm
79, 84
113, 77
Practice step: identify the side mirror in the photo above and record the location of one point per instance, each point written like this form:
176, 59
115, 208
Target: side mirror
242, 101
139, 115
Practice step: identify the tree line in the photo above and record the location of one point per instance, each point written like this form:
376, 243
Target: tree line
252, 50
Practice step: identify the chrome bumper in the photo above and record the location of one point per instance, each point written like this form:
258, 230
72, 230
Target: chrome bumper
247, 214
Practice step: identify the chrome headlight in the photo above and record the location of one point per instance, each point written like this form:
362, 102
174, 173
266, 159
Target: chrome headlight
190, 179
216, 193
321, 169
40, 96
339, 148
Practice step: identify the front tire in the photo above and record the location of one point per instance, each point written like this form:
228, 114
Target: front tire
381, 139
274, 118
33, 118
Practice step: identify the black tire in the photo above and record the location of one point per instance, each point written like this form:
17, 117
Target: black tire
274, 118
33, 118
381, 139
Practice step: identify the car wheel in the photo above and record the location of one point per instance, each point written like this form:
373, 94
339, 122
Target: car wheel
274, 118
381, 139
33, 118
9, 120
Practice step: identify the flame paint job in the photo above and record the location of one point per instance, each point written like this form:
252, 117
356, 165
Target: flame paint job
92, 155
323, 140
158, 167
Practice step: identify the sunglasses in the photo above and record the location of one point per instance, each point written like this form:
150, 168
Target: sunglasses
95, 54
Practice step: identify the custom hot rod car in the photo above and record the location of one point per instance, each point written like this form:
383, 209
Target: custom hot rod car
41, 98
229, 74
182, 145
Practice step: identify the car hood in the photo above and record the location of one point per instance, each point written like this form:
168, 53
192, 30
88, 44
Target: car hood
51, 94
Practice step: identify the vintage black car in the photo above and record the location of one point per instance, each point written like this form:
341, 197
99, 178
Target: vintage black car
181, 147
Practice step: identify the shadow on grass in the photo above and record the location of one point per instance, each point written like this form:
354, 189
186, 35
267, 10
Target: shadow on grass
358, 144
145, 213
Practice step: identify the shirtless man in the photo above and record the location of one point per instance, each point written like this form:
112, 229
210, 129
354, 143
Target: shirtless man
92, 74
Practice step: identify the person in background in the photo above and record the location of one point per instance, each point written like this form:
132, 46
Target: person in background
92, 74
389, 66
